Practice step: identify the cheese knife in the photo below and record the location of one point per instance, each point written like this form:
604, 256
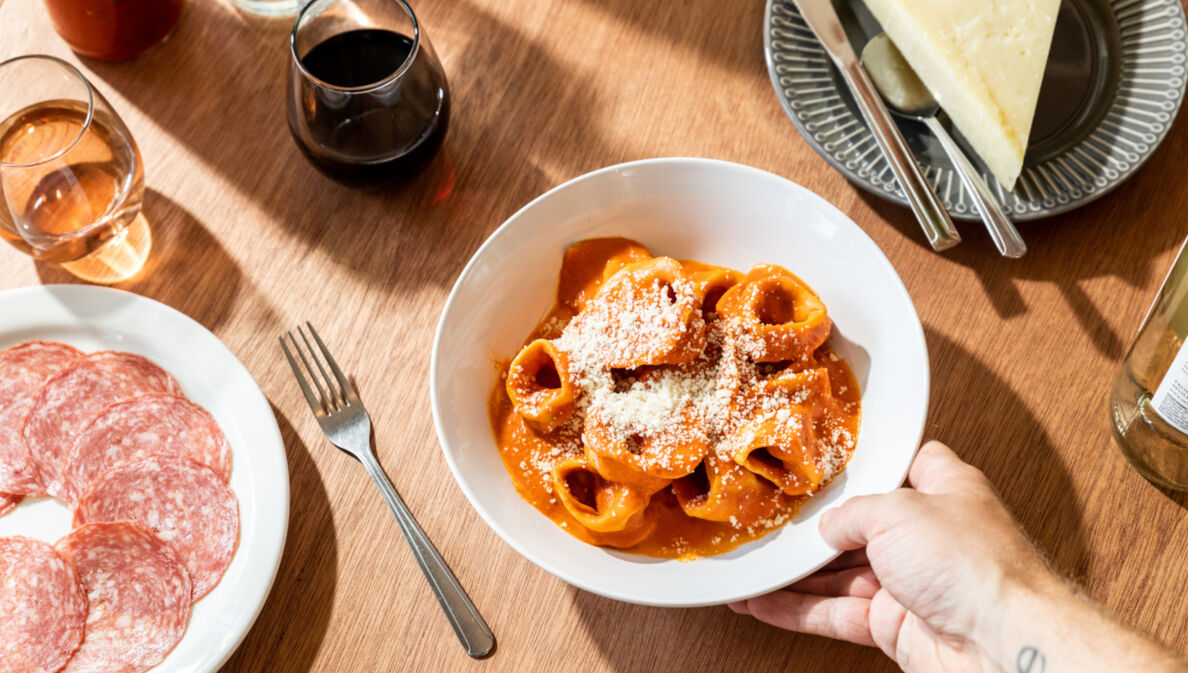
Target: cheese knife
938, 228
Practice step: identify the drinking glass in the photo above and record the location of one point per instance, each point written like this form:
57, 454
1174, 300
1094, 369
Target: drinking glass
71, 176
368, 102
113, 31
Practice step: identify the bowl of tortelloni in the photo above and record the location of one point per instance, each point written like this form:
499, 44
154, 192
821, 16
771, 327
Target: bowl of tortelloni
652, 380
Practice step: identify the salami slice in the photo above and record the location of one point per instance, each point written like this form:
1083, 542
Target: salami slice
24, 369
8, 501
74, 396
139, 595
185, 504
162, 425
43, 609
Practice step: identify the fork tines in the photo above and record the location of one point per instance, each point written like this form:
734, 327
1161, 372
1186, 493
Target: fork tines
330, 397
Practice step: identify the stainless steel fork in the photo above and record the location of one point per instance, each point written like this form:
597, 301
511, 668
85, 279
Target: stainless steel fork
346, 424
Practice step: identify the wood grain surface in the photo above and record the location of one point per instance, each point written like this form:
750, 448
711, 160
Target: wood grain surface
249, 240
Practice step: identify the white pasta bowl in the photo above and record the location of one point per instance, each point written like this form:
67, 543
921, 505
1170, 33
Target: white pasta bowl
716, 212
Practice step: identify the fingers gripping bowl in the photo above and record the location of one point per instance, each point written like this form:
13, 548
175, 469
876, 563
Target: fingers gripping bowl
723, 214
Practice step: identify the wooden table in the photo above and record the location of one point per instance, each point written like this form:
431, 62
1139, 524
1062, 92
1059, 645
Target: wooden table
249, 240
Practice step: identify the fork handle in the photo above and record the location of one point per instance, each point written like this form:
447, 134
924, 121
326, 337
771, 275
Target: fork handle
468, 624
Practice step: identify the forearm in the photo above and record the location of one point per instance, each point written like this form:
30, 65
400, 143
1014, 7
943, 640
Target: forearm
1047, 628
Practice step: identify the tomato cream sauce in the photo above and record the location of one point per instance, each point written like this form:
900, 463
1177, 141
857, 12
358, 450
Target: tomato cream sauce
703, 453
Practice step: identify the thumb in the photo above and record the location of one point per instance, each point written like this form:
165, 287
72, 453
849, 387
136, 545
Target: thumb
937, 469
853, 524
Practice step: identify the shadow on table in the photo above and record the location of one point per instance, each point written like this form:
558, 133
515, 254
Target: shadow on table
294, 620
1117, 235
218, 86
1002, 437
187, 267
999, 434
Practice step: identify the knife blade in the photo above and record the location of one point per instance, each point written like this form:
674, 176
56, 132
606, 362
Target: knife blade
822, 20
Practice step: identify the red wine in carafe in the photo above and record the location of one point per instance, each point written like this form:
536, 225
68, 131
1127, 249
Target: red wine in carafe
384, 114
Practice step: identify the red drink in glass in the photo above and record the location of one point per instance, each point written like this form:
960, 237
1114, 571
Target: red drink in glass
113, 30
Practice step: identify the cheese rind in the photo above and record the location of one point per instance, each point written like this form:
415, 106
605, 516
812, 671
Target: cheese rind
984, 62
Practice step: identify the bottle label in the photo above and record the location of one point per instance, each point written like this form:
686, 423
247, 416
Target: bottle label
1171, 397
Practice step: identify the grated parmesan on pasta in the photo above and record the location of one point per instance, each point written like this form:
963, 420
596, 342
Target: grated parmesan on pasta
644, 414
710, 386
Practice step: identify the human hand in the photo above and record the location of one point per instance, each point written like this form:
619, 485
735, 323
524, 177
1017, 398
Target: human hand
926, 573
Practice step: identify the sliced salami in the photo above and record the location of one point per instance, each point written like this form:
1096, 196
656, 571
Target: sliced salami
8, 501
162, 425
139, 596
43, 609
24, 369
185, 504
75, 395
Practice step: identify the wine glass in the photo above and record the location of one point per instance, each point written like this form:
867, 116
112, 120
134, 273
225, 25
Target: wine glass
71, 176
368, 102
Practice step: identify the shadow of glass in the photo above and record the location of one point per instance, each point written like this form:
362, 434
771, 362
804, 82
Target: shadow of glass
295, 618
1040, 494
187, 268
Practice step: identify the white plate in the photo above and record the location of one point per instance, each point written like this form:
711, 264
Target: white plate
98, 318
716, 212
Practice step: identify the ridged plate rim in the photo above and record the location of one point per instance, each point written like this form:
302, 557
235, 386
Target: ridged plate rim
1145, 103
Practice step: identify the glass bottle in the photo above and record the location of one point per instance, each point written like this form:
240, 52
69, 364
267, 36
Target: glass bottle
113, 30
1149, 404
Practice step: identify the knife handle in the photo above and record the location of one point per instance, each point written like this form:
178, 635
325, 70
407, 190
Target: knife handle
938, 228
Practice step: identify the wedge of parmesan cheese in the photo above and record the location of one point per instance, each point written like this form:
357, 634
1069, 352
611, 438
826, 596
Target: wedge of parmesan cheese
984, 61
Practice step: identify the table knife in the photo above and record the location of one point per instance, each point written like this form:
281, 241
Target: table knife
822, 20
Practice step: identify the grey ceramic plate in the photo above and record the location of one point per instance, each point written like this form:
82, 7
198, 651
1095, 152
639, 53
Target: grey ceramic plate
1114, 82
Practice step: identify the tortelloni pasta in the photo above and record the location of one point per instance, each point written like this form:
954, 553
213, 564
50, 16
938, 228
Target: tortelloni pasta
674, 408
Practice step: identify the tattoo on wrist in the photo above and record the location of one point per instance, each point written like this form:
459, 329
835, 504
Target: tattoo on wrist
1030, 660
